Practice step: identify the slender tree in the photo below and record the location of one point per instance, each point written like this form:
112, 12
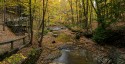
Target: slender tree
31, 22
72, 12
42, 26
4, 14
77, 12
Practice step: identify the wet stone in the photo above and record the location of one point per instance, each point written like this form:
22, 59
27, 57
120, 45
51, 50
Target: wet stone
69, 42
65, 46
55, 35
53, 42
56, 63
53, 55
106, 61
50, 33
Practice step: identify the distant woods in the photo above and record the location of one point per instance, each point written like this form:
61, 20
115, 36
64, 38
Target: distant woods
104, 12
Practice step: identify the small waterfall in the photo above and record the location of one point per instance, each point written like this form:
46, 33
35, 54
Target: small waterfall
64, 57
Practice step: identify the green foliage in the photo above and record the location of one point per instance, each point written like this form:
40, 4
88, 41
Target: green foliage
33, 52
63, 38
33, 56
102, 35
16, 58
109, 11
46, 31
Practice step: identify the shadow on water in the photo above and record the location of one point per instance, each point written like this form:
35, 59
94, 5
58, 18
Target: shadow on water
75, 57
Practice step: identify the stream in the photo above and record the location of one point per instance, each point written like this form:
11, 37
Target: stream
83, 56
74, 57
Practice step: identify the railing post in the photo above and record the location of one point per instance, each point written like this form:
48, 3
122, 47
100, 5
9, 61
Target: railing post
24, 41
11, 44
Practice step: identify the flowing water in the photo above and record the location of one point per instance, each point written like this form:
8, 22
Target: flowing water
56, 28
84, 56
75, 57
72, 56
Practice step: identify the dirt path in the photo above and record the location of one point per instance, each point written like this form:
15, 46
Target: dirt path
7, 35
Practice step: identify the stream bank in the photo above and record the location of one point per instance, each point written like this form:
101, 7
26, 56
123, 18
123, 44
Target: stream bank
60, 46
62, 39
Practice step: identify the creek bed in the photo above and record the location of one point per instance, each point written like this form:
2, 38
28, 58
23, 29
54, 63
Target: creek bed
74, 57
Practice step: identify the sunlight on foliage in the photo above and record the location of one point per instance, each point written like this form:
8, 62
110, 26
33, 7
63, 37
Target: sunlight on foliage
13, 59
64, 38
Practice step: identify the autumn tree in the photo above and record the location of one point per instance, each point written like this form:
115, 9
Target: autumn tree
42, 25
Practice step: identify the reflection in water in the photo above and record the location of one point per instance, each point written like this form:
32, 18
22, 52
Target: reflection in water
75, 57
56, 28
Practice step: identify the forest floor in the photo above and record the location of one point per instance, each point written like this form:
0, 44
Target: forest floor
54, 40
65, 37
102, 54
5, 36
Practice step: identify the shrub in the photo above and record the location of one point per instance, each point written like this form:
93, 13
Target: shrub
14, 59
33, 56
103, 36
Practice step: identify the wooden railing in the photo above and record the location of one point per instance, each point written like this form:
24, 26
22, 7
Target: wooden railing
13, 40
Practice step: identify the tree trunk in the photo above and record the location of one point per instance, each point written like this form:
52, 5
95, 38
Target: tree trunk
77, 17
4, 15
31, 22
72, 12
43, 23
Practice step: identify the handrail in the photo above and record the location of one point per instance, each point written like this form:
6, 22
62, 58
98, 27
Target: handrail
12, 41
7, 42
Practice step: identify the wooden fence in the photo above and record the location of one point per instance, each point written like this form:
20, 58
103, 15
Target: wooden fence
13, 40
